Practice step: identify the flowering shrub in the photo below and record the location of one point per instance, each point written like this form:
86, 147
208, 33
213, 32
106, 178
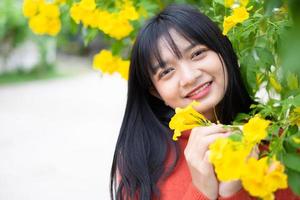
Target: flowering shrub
43, 16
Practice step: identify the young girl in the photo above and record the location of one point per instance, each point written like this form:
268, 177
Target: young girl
179, 56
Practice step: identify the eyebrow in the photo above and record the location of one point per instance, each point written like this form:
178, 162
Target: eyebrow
191, 46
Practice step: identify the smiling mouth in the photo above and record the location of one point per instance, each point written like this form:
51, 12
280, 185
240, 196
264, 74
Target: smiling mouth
199, 89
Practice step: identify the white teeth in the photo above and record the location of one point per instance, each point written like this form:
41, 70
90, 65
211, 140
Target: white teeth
200, 89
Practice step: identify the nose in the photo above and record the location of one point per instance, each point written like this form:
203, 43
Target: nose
189, 74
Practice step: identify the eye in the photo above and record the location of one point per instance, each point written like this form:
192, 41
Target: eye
198, 54
165, 72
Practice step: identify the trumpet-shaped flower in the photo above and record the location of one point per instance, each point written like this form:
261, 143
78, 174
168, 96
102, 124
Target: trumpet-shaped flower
228, 23
128, 11
255, 130
49, 10
228, 3
228, 158
261, 179
43, 17
186, 118
30, 7
239, 15
89, 5
295, 116
110, 64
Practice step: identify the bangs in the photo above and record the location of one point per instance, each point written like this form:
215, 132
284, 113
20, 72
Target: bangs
193, 26
162, 32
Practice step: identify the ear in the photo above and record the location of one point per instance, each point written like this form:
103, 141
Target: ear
154, 92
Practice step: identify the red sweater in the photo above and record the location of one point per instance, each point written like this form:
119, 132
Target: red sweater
179, 186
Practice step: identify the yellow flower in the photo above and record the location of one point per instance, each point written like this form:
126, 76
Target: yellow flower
295, 116
54, 26
244, 3
240, 14
129, 12
228, 23
76, 13
38, 24
88, 4
256, 129
228, 3
186, 119
49, 10
30, 7
123, 68
60, 1
110, 64
261, 179
105, 61
228, 158
43, 17
117, 27
88, 18
269, 197
259, 78
104, 23
296, 139
275, 84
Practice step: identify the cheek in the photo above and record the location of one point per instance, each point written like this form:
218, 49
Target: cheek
168, 92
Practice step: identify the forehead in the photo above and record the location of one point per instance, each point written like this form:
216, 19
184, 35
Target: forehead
172, 45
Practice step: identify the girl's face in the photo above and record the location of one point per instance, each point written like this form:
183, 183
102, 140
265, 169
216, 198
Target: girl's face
198, 75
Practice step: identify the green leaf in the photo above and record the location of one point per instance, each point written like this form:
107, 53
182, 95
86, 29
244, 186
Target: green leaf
292, 161
296, 100
270, 5
236, 136
292, 81
219, 1
294, 180
265, 56
91, 34
241, 117
249, 70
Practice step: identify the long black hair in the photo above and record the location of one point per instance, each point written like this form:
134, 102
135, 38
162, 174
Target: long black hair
145, 140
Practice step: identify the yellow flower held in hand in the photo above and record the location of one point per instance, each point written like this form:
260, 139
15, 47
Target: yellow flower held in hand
256, 129
186, 119
228, 158
261, 179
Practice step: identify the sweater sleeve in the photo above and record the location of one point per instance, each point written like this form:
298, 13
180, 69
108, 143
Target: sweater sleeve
192, 193
240, 195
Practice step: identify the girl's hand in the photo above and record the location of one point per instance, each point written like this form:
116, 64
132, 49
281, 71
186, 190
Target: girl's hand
227, 189
197, 154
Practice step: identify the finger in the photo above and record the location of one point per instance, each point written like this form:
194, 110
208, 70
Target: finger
196, 149
207, 130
